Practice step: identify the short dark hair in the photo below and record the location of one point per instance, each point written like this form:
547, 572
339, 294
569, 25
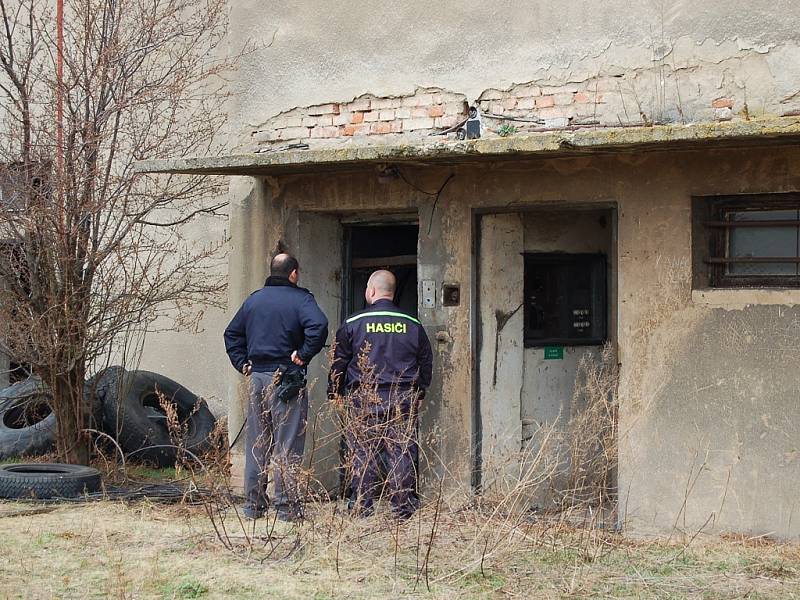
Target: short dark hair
283, 265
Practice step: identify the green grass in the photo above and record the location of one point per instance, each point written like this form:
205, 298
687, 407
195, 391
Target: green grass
486, 581
184, 589
151, 473
44, 540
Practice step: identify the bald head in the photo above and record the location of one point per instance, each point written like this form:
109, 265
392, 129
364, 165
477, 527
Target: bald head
284, 265
381, 286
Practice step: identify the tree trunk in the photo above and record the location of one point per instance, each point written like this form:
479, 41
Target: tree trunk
72, 415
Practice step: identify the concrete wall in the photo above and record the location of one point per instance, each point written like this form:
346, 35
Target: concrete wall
706, 379
191, 353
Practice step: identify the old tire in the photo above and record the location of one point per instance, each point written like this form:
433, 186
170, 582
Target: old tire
98, 385
135, 417
27, 423
47, 480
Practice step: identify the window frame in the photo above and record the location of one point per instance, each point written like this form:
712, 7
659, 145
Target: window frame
718, 227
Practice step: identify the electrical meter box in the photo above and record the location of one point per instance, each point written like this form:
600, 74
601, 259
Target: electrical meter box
566, 299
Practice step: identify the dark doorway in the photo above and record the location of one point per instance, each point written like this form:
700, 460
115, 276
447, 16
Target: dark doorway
381, 246
368, 247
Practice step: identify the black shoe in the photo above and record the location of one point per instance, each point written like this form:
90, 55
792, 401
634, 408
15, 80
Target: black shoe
356, 510
403, 515
291, 515
253, 513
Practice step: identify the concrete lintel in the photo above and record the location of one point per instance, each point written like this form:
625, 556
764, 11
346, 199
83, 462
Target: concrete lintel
556, 143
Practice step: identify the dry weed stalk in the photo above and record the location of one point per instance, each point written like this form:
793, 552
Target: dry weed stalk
178, 427
592, 431
455, 533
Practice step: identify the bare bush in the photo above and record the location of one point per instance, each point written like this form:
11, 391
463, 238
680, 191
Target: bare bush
455, 533
94, 251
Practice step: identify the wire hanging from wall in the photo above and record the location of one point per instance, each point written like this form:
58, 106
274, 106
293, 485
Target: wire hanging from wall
435, 194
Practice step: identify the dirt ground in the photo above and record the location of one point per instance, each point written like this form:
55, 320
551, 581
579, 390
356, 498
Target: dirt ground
144, 550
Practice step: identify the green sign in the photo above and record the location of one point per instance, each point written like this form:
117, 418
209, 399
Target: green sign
554, 352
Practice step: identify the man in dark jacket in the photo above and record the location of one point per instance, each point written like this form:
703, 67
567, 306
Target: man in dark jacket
381, 368
272, 338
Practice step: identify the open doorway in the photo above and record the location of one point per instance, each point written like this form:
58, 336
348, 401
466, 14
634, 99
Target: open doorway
546, 310
368, 247
337, 253
380, 246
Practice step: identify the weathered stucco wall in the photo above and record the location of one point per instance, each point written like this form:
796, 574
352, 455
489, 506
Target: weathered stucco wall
652, 60
701, 385
184, 342
694, 392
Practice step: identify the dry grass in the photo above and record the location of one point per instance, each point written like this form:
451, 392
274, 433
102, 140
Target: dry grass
592, 431
145, 551
459, 545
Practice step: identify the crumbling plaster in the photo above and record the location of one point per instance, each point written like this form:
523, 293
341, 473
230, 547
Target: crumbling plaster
670, 58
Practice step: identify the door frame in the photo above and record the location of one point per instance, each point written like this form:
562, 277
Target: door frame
347, 226
612, 317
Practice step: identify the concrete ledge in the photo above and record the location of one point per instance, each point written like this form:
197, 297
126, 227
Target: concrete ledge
740, 298
572, 142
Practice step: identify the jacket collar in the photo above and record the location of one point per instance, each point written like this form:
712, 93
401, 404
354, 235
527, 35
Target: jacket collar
273, 281
382, 304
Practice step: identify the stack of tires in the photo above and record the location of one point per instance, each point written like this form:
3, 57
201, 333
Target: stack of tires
133, 407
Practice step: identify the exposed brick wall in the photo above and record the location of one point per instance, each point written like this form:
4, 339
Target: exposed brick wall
605, 101
547, 106
421, 113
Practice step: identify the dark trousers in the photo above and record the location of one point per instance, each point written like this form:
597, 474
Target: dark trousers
276, 430
383, 422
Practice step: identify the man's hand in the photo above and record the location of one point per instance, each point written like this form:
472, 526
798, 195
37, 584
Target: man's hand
247, 368
297, 360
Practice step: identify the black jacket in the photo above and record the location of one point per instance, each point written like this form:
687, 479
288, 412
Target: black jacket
396, 344
274, 322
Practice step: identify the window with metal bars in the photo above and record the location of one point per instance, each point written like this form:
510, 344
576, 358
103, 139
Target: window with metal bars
754, 241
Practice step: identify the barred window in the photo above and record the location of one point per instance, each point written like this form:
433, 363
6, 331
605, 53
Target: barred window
755, 241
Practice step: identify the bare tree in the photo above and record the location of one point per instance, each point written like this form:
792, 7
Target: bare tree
93, 249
